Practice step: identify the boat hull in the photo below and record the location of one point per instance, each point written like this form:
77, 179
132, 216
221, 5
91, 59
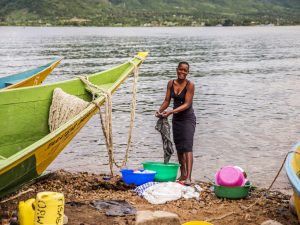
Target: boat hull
292, 167
33, 165
35, 156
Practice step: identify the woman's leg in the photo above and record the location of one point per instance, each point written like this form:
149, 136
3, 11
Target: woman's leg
182, 162
189, 164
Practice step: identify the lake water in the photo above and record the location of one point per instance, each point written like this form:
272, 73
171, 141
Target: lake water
246, 101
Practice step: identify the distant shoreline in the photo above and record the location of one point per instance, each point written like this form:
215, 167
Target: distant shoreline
258, 25
78, 22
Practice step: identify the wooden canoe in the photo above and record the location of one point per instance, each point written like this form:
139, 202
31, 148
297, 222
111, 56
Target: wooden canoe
26, 145
28, 78
292, 167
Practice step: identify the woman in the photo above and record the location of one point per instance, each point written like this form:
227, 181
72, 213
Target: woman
184, 120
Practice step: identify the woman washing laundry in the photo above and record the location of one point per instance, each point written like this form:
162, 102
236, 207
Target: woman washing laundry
184, 119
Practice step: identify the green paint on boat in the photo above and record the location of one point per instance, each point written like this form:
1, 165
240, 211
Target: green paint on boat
24, 116
12, 179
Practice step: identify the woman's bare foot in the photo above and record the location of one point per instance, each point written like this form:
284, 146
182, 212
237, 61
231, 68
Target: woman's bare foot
181, 178
187, 182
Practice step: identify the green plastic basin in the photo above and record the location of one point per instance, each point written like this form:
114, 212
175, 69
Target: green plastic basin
164, 172
232, 192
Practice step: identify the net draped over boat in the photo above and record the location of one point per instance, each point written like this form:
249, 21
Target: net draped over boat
63, 108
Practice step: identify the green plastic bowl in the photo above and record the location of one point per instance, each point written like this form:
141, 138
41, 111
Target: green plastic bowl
232, 192
164, 172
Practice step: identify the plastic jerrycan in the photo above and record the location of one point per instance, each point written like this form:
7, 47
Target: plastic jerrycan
26, 212
197, 223
49, 208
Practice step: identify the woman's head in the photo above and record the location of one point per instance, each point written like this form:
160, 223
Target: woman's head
182, 70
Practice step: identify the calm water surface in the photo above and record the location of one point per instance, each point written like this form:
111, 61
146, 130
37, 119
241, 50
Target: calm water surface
246, 102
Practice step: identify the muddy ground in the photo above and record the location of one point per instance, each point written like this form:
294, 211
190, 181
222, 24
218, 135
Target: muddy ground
81, 188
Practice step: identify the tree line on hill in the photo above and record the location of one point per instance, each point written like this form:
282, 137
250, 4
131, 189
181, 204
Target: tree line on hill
149, 13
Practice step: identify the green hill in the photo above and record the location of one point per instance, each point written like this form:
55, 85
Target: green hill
149, 12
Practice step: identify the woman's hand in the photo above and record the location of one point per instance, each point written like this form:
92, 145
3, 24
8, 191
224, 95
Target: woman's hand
165, 114
158, 114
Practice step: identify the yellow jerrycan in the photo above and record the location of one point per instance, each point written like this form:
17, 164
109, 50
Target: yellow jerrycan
197, 223
26, 212
49, 208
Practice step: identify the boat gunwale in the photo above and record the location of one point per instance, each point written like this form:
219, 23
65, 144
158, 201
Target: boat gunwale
25, 153
65, 81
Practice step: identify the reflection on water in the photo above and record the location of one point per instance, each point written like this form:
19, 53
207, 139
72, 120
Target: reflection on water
247, 86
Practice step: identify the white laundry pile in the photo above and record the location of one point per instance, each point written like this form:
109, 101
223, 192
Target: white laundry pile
169, 191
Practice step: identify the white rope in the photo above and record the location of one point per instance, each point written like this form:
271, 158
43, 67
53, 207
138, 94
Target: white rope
106, 118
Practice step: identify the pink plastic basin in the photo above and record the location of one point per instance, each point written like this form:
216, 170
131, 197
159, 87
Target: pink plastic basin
230, 176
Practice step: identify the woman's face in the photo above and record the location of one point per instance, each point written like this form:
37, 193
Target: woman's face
182, 71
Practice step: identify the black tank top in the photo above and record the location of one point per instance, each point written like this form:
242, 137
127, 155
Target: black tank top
179, 100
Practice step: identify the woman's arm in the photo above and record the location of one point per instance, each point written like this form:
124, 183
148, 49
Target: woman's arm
167, 100
187, 101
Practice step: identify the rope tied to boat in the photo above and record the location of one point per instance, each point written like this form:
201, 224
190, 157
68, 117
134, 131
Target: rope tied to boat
262, 197
106, 117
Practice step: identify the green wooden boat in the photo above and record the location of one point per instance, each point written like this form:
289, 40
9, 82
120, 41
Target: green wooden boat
27, 146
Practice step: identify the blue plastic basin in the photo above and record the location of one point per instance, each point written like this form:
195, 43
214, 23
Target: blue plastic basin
129, 177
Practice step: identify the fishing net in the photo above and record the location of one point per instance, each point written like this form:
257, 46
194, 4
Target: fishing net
63, 108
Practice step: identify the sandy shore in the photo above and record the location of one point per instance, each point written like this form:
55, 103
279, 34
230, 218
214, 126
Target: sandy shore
82, 188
